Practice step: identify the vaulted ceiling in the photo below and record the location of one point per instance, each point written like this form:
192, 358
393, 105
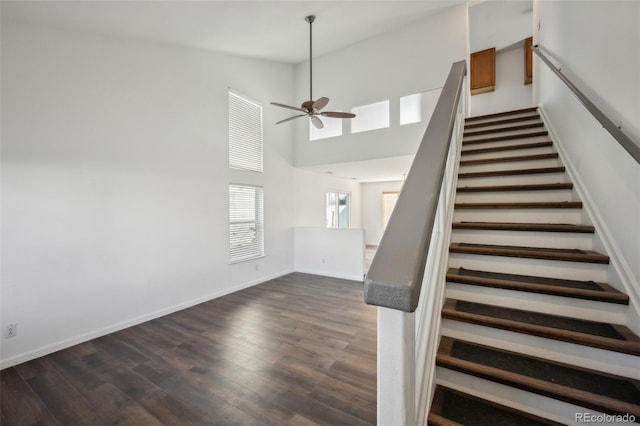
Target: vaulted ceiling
273, 30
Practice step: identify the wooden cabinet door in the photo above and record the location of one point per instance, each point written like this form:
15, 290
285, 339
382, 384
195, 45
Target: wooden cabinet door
483, 71
528, 61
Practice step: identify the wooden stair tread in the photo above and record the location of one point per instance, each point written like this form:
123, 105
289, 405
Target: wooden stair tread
452, 407
499, 122
516, 226
580, 386
518, 158
507, 148
513, 172
531, 205
503, 129
588, 290
611, 337
505, 137
502, 114
525, 187
569, 255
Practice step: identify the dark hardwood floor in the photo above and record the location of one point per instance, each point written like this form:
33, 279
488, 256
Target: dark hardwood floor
300, 349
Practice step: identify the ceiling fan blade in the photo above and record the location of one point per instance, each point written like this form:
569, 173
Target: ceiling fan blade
317, 122
320, 103
291, 118
287, 106
336, 114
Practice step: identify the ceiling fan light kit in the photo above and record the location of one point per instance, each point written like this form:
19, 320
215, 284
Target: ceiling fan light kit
311, 108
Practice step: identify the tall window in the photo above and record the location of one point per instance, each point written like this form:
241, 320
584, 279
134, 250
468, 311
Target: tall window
246, 222
245, 133
338, 206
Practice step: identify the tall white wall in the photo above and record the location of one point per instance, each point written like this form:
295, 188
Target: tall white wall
596, 43
413, 59
372, 208
510, 92
114, 183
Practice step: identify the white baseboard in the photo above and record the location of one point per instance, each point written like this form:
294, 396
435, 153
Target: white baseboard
57, 346
350, 277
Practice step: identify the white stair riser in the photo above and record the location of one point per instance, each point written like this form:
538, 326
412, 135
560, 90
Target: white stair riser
555, 350
509, 165
580, 271
523, 133
570, 216
466, 142
554, 305
565, 240
521, 400
516, 196
509, 153
532, 120
529, 179
504, 117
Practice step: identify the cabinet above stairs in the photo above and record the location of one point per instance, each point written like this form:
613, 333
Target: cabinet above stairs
532, 330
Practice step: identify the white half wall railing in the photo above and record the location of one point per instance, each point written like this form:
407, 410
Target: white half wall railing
407, 274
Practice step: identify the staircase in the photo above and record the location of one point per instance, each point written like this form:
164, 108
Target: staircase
531, 331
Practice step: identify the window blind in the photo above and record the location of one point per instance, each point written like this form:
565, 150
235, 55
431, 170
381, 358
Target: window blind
245, 133
246, 222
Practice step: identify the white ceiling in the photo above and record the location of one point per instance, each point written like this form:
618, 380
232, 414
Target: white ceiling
274, 30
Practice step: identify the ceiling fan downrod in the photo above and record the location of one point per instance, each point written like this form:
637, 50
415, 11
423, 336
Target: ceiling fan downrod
311, 108
310, 20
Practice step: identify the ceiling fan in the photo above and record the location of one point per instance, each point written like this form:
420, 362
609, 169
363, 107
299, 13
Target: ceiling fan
311, 108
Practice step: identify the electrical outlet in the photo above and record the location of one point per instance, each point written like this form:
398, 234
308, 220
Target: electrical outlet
12, 330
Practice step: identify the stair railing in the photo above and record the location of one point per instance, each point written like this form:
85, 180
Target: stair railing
627, 142
406, 277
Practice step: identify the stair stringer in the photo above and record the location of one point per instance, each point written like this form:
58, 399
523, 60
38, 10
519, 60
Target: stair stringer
619, 273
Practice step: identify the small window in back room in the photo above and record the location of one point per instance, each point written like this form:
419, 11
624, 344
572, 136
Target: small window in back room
338, 210
418, 107
245, 133
370, 117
